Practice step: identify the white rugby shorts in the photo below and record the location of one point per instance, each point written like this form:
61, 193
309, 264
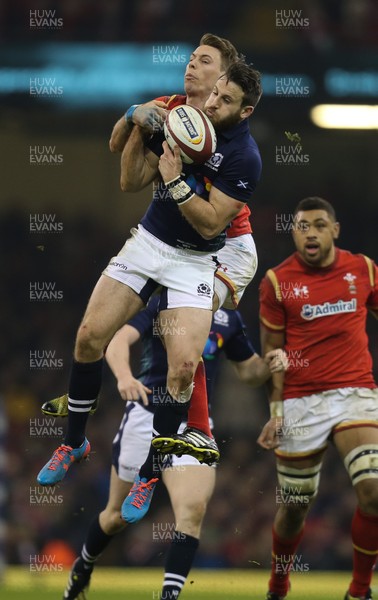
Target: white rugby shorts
237, 267
132, 443
145, 261
309, 421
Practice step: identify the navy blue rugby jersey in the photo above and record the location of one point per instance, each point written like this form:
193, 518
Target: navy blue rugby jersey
228, 335
234, 168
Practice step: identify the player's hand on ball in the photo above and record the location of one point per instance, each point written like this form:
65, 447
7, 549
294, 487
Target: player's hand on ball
150, 116
269, 438
170, 163
277, 360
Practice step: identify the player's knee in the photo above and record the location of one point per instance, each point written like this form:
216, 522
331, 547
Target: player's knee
367, 492
181, 375
89, 342
190, 516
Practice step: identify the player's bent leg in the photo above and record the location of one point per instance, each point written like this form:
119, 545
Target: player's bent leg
99, 535
358, 446
298, 486
110, 306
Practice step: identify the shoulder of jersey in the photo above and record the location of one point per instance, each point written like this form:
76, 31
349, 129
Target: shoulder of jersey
176, 100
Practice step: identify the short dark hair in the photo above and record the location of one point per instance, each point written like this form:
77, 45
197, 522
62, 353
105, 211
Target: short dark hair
228, 52
246, 77
316, 203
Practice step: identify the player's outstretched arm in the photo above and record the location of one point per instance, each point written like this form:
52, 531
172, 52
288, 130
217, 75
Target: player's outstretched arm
255, 371
118, 358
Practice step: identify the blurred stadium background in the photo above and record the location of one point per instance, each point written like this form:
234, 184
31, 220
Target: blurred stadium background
63, 216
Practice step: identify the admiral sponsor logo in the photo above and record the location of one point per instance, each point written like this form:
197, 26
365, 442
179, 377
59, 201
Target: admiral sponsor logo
314, 311
204, 290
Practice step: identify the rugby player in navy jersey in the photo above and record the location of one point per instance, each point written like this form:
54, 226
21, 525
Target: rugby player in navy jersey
184, 264
190, 484
236, 163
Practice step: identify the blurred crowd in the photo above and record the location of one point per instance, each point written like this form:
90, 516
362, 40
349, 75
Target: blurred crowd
333, 22
237, 527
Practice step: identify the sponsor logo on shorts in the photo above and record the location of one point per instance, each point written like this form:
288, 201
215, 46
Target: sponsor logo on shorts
204, 290
113, 263
314, 311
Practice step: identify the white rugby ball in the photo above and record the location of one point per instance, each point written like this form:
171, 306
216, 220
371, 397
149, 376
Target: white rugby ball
192, 131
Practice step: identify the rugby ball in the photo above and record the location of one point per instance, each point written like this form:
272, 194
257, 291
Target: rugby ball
192, 131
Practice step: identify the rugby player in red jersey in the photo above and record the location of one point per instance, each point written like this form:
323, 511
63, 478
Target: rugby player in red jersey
315, 305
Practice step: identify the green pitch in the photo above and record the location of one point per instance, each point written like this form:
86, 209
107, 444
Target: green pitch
144, 584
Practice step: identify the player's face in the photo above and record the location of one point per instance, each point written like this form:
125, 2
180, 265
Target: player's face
202, 71
224, 105
314, 233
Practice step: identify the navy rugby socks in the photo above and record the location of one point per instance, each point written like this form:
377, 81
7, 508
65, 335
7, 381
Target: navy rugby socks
84, 387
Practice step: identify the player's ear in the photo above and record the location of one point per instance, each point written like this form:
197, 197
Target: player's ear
336, 230
246, 112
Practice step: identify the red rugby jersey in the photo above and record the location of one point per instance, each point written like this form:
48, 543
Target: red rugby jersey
323, 314
241, 224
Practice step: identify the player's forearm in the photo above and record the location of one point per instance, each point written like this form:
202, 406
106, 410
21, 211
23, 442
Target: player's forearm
134, 171
203, 217
254, 371
120, 134
275, 392
118, 358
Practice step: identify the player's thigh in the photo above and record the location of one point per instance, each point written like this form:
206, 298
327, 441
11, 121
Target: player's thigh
237, 265
184, 331
111, 304
189, 487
